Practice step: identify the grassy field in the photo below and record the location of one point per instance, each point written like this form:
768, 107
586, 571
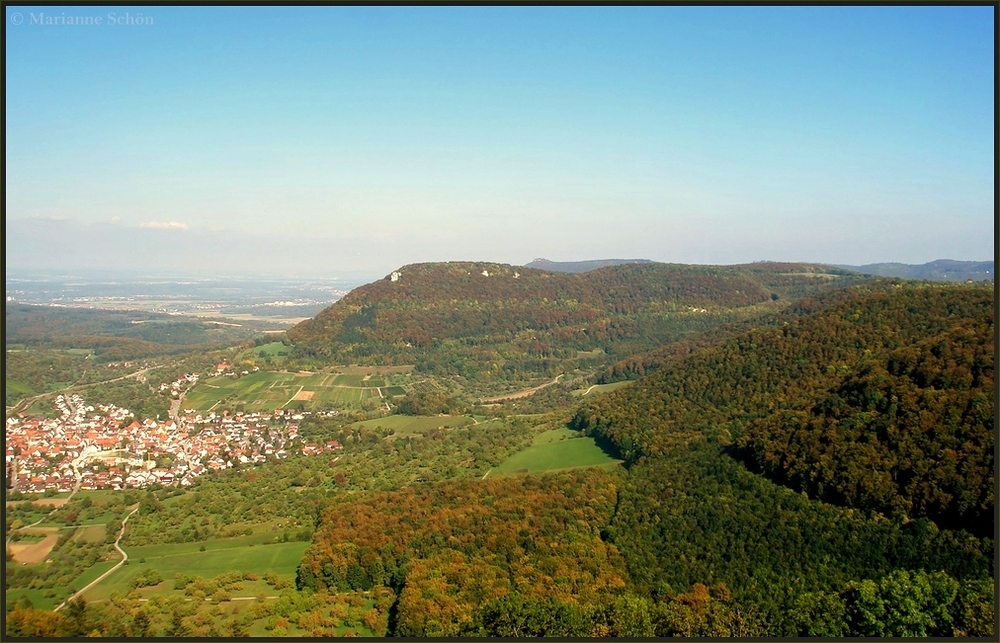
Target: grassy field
93, 533
274, 349
600, 388
246, 553
554, 450
408, 424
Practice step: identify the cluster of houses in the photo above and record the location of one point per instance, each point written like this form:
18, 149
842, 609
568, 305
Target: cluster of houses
108, 448
182, 381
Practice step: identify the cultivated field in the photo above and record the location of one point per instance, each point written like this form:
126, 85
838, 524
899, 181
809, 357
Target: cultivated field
35, 551
554, 450
269, 390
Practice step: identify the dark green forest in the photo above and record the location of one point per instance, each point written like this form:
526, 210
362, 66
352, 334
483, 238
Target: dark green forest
882, 402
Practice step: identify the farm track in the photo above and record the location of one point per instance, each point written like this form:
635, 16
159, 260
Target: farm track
520, 394
292, 398
110, 571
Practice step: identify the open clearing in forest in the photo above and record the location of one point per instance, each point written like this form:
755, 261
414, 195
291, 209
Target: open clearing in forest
554, 450
599, 388
273, 349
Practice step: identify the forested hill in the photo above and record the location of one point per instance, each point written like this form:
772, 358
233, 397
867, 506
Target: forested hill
579, 266
498, 320
642, 364
940, 270
883, 402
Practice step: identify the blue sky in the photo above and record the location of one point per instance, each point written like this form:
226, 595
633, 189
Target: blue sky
367, 138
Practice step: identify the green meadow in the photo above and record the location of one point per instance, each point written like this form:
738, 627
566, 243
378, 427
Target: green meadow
246, 553
274, 349
410, 424
600, 388
554, 450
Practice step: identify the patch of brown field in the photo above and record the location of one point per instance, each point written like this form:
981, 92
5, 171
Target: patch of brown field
304, 373
304, 395
35, 552
52, 502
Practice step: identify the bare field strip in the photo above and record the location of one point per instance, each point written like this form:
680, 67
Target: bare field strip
53, 502
35, 552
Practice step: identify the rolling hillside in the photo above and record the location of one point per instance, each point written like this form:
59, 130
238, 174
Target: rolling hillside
882, 402
940, 270
499, 321
815, 476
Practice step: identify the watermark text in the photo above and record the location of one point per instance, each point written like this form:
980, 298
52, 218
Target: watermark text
110, 19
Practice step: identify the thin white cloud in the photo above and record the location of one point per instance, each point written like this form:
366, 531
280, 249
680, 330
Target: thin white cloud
164, 225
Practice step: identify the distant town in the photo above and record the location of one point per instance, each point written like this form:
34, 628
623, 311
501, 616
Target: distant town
106, 447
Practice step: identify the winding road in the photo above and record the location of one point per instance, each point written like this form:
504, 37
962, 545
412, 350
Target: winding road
110, 571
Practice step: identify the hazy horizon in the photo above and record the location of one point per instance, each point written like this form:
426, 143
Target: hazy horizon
344, 140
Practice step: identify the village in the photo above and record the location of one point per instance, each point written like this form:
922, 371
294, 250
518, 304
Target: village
106, 447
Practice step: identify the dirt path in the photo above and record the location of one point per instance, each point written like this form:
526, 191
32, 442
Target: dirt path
292, 399
520, 394
382, 397
110, 571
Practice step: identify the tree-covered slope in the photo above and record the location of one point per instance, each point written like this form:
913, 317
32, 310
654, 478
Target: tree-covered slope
642, 364
500, 321
940, 270
448, 548
881, 402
